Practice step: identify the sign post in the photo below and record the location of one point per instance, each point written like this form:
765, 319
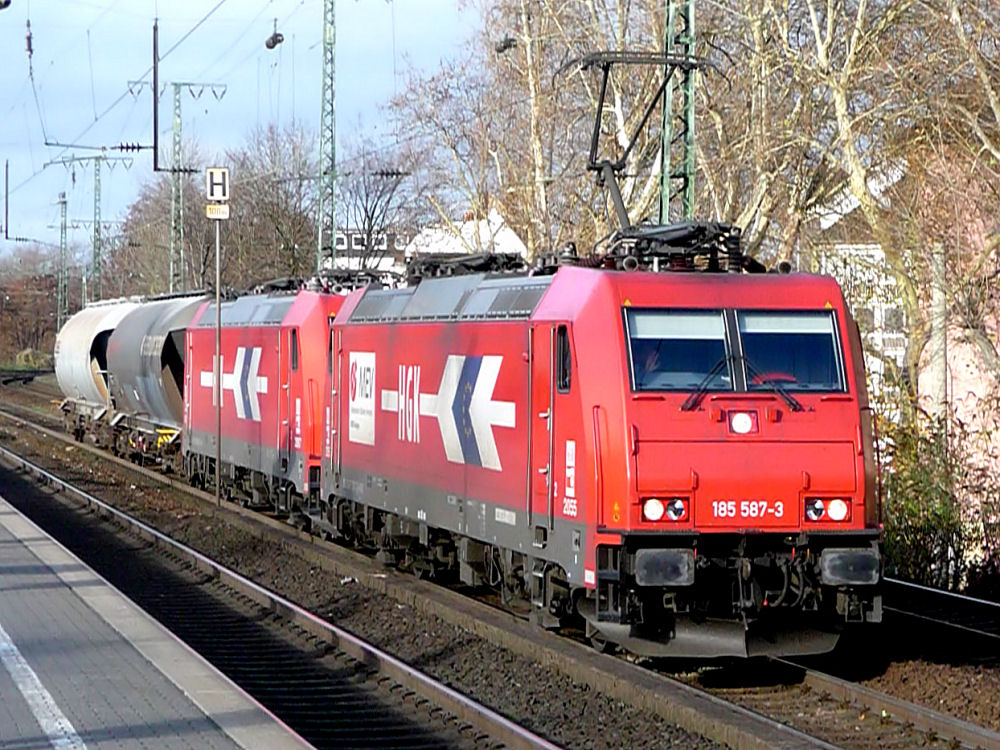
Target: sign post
217, 192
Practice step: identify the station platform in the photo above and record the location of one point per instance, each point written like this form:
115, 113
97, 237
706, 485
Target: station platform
82, 667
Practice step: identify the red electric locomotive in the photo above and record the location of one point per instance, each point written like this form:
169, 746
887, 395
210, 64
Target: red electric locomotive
272, 393
683, 460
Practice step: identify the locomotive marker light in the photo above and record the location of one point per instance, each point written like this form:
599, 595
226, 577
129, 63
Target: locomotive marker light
814, 509
676, 509
217, 190
827, 509
673, 509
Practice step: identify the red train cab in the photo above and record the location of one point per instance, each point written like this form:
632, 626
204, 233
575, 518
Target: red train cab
274, 368
736, 502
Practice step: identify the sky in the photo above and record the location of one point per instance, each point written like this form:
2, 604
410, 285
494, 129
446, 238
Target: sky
85, 53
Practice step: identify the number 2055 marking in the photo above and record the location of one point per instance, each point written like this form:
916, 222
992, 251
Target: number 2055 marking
747, 508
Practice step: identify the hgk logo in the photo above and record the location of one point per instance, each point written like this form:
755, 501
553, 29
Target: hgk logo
408, 403
464, 408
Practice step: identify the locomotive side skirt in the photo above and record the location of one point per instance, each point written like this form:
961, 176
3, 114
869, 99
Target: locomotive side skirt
477, 519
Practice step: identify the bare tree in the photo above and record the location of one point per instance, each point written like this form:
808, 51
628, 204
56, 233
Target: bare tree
273, 230
374, 200
505, 132
28, 279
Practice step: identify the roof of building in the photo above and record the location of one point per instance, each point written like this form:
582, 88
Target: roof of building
484, 235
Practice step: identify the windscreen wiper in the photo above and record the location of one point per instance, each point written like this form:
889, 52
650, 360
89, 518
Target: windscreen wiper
695, 397
774, 385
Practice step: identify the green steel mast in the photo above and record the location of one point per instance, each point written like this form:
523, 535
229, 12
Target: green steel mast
326, 213
677, 152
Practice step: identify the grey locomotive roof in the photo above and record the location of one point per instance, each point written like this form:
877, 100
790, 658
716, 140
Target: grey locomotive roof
249, 310
472, 297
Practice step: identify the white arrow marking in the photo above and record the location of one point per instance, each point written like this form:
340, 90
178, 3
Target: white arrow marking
484, 412
439, 406
256, 384
390, 400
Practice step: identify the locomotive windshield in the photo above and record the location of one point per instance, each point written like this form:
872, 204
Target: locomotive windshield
797, 350
689, 350
678, 350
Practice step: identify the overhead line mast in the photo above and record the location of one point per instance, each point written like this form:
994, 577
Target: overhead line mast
677, 162
177, 171
97, 250
326, 211
178, 277
62, 298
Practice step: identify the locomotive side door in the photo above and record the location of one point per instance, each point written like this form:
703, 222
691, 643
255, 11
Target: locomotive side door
542, 426
283, 425
336, 348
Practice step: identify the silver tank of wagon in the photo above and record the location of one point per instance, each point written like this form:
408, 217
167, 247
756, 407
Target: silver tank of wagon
81, 353
146, 361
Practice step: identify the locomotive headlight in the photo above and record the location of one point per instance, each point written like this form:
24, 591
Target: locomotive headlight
814, 509
676, 509
653, 509
837, 509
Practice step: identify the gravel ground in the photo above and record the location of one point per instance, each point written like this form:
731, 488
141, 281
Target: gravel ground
542, 699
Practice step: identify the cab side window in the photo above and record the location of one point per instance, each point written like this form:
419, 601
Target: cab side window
564, 360
329, 355
295, 349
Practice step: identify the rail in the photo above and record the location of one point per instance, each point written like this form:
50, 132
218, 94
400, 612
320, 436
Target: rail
18, 374
970, 615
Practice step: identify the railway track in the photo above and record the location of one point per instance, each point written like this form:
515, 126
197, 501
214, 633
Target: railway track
21, 375
845, 714
976, 618
934, 723
332, 688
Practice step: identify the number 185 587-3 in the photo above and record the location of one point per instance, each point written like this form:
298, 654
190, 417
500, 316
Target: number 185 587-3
747, 508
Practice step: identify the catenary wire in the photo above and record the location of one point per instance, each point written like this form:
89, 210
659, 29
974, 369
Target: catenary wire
124, 94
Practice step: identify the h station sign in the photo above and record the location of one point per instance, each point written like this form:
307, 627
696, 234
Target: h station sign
217, 190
